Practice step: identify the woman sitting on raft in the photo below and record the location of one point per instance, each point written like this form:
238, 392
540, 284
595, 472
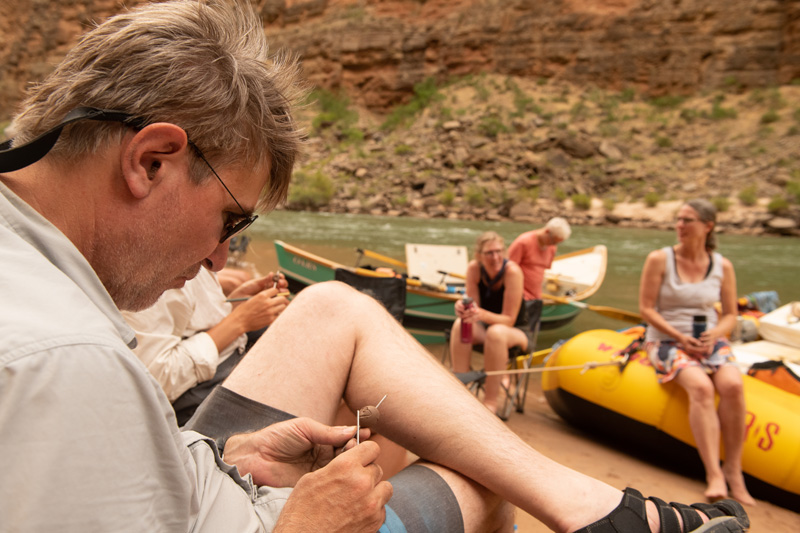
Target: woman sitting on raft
679, 283
497, 315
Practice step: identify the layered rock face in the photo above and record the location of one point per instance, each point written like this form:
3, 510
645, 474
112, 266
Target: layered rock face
378, 49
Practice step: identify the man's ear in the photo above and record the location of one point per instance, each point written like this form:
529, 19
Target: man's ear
151, 154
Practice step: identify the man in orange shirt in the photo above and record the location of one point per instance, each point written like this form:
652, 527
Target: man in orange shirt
534, 251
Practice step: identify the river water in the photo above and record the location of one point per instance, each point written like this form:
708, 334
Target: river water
761, 263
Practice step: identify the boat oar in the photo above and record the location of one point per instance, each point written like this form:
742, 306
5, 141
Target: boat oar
610, 312
585, 366
409, 281
452, 274
386, 259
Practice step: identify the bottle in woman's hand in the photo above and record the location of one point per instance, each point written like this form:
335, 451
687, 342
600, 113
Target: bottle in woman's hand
466, 327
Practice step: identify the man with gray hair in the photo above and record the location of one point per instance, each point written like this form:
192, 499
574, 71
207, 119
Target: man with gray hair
133, 165
534, 251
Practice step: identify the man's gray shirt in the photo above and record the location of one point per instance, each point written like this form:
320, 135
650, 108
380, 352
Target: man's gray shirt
88, 440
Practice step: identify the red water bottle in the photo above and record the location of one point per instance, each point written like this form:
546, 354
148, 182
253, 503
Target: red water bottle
466, 327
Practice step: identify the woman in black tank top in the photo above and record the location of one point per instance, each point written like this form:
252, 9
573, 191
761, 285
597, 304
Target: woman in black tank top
497, 315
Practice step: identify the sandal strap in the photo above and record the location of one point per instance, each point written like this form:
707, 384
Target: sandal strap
733, 508
709, 510
691, 520
666, 515
630, 516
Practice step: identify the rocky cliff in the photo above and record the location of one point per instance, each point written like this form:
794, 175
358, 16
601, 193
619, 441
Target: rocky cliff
378, 49
538, 103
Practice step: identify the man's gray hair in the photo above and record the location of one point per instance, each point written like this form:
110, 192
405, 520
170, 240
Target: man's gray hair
203, 66
559, 228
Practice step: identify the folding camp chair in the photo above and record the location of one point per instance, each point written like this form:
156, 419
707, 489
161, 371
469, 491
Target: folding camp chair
516, 391
389, 291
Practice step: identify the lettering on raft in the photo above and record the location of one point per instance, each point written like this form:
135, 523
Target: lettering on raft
308, 265
765, 434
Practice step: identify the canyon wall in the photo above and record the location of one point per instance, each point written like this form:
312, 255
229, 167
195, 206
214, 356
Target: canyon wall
377, 50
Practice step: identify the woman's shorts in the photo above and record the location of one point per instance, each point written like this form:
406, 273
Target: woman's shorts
668, 358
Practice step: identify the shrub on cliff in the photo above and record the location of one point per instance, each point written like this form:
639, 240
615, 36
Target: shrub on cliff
310, 191
425, 93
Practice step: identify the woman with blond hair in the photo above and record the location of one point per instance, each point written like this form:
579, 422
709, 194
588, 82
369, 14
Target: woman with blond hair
497, 316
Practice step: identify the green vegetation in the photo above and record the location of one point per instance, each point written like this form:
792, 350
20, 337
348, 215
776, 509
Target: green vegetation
559, 194
749, 195
770, 117
721, 203
721, 113
475, 196
403, 149
652, 198
666, 101
778, 205
425, 93
581, 201
310, 190
335, 113
492, 126
663, 142
793, 190
447, 197
530, 194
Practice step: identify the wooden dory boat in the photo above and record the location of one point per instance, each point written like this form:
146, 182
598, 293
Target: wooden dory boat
577, 276
429, 309
574, 276
629, 406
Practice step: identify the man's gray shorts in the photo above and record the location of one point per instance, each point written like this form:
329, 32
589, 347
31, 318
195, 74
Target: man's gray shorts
421, 502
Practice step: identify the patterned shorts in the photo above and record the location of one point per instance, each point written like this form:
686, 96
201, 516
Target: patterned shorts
668, 359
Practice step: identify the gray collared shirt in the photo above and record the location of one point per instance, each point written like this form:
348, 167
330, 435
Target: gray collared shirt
88, 440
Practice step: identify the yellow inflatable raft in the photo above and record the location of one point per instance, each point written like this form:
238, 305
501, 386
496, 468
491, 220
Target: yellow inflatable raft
627, 403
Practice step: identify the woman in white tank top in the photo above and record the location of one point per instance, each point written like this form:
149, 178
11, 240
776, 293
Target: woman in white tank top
677, 284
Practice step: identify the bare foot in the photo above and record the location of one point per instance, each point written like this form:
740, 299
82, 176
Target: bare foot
738, 488
717, 489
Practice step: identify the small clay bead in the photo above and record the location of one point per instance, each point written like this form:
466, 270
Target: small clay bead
369, 416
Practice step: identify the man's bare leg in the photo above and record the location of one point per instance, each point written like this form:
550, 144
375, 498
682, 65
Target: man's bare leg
334, 343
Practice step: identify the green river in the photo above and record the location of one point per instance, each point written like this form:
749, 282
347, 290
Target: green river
761, 263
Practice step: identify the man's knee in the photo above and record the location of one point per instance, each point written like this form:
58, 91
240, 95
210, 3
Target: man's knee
327, 293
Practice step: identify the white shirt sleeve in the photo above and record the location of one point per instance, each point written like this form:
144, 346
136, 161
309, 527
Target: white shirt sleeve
172, 342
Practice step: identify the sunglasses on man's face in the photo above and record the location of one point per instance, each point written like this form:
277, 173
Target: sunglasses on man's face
12, 159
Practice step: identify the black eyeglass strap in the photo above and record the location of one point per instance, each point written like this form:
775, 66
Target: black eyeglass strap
12, 159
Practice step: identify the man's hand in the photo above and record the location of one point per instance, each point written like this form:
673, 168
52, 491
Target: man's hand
334, 491
346, 496
255, 286
278, 455
260, 310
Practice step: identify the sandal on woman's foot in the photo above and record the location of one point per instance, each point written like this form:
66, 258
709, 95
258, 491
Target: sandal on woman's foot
630, 516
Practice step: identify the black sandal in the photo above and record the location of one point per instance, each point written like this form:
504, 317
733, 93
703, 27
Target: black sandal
630, 516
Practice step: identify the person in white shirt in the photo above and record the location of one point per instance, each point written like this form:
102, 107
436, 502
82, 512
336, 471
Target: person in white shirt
133, 164
192, 337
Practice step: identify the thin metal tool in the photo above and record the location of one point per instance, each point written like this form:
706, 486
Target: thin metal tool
358, 427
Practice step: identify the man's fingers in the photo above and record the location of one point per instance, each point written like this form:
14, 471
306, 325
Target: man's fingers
385, 491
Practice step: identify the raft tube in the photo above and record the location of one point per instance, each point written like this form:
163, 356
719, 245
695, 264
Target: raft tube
629, 406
